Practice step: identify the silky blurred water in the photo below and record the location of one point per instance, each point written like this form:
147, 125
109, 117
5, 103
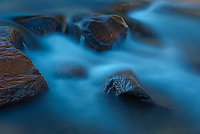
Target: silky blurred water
78, 106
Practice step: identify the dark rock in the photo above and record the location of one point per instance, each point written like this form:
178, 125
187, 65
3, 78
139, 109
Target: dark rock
178, 9
13, 36
19, 79
100, 31
191, 55
142, 32
125, 7
128, 72
139, 30
59, 18
125, 86
41, 25
63, 22
17, 19
75, 25
31, 41
70, 70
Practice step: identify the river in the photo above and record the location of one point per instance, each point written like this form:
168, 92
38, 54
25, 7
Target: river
170, 73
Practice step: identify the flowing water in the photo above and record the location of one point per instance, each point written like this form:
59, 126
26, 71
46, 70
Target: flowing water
169, 73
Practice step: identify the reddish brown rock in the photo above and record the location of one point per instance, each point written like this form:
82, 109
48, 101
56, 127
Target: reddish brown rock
100, 31
41, 25
13, 36
19, 79
138, 30
125, 7
124, 85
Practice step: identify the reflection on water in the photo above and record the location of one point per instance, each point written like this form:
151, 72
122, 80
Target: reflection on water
78, 106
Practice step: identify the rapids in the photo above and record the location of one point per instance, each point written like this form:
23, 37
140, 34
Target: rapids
169, 73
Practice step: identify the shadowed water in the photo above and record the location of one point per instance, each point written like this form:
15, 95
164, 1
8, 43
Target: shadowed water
78, 105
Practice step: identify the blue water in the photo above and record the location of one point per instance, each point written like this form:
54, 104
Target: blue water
78, 105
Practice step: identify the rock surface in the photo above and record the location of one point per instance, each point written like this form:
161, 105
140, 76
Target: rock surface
124, 85
41, 25
130, 73
139, 30
125, 7
100, 31
19, 79
13, 36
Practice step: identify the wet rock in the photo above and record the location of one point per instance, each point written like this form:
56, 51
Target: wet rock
191, 55
22, 18
128, 72
71, 70
142, 32
41, 25
125, 7
59, 18
100, 31
13, 36
19, 79
75, 25
138, 30
63, 22
125, 86
179, 9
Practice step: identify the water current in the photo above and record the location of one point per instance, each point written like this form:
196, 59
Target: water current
168, 72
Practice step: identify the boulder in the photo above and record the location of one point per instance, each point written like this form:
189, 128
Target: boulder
100, 32
125, 86
19, 78
13, 36
41, 25
139, 30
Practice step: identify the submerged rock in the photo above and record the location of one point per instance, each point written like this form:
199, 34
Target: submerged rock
41, 25
125, 7
13, 36
71, 71
142, 32
100, 31
125, 86
19, 79
178, 9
